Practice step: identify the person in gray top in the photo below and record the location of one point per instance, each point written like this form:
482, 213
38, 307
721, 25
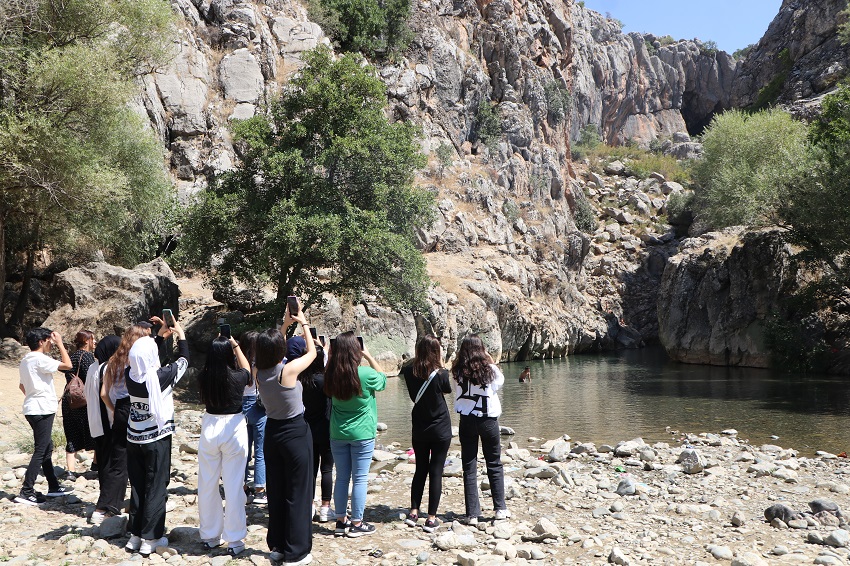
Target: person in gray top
288, 445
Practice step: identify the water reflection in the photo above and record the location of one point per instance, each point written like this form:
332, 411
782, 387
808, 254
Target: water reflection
605, 399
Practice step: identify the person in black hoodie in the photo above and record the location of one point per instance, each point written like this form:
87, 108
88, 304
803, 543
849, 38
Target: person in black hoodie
427, 384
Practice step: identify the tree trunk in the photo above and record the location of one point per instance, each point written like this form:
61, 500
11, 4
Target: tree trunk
17, 318
4, 331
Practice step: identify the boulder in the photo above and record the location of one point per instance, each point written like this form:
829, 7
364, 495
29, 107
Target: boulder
691, 461
106, 299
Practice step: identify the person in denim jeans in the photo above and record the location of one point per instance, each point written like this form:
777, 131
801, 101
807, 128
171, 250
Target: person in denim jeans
354, 424
478, 379
255, 417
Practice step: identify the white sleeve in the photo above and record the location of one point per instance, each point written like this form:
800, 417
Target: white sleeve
48, 364
499, 380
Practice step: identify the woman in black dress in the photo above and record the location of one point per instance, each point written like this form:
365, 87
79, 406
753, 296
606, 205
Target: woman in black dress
427, 384
76, 421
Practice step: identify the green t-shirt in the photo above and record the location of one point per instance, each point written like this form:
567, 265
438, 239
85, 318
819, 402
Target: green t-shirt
357, 418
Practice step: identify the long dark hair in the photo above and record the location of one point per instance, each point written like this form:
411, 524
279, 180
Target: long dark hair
269, 348
341, 378
213, 379
429, 357
308, 376
472, 365
248, 343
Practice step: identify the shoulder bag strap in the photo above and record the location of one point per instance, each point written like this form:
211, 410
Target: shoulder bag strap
425, 385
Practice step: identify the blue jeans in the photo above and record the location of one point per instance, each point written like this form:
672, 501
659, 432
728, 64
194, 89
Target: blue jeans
352, 459
255, 416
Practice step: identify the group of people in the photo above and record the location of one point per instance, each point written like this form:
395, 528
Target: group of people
302, 407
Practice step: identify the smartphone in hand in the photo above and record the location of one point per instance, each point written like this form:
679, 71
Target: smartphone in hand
313, 333
322, 339
292, 303
224, 330
168, 317
360, 339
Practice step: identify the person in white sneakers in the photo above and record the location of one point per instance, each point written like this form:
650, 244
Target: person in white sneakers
223, 447
40, 404
151, 426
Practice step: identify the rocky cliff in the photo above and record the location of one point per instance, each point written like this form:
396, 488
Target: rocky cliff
799, 58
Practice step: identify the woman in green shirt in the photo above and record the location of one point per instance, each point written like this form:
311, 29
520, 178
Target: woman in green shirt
354, 423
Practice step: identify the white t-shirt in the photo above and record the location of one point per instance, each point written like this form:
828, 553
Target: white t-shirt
480, 401
37, 371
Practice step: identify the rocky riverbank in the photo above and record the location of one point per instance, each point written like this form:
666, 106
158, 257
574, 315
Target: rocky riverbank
699, 499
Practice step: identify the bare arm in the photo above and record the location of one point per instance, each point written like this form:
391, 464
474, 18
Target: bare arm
240, 356
23, 389
65, 364
292, 368
372, 361
104, 396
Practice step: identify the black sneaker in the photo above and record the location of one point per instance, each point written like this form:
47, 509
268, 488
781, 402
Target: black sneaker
34, 498
431, 525
60, 491
411, 519
341, 528
360, 530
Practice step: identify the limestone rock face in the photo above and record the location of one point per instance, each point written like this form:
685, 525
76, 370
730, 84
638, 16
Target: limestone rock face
106, 299
716, 294
637, 91
815, 61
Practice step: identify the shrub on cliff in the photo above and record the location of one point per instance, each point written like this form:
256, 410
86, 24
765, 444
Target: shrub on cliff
747, 160
79, 170
324, 200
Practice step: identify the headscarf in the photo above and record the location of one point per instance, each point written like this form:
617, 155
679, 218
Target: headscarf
106, 347
295, 348
144, 363
104, 350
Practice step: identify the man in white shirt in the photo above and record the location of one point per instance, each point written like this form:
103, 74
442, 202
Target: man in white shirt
40, 405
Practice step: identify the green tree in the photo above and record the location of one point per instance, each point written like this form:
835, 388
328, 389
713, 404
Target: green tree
747, 160
377, 28
324, 199
79, 170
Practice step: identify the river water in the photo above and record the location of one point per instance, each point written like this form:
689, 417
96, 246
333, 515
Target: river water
608, 398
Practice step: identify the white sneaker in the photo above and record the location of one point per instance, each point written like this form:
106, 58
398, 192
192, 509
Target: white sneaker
306, 560
324, 513
148, 547
503, 514
133, 544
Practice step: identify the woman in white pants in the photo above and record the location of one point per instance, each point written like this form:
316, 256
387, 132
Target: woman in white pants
223, 448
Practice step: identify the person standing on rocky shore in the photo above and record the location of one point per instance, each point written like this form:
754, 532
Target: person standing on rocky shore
223, 447
427, 384
99, 426
40, 404
75, 422
476, 399
317, 407
149, 436
354, 426
255, 417
288, 445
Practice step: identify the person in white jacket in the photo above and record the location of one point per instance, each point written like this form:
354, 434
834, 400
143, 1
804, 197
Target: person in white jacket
477, 381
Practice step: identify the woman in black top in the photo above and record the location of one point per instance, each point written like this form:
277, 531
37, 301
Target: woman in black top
427, 384
317, 413
75, 422
223, 448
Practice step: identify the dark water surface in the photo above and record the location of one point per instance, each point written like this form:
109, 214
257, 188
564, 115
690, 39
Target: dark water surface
608, 398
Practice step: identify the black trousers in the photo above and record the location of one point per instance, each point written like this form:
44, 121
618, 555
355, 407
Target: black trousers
111, 451
149, 467
323, 459
430, 460
42, 453
288, 450
487, 429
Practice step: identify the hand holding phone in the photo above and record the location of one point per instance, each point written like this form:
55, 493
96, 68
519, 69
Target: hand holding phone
360, 339
292, 305
313, 333
168, 317
322, 339
224, 330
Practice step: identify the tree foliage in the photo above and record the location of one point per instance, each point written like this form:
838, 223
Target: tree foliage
747, 160
79, 171
377, 28
323, 201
